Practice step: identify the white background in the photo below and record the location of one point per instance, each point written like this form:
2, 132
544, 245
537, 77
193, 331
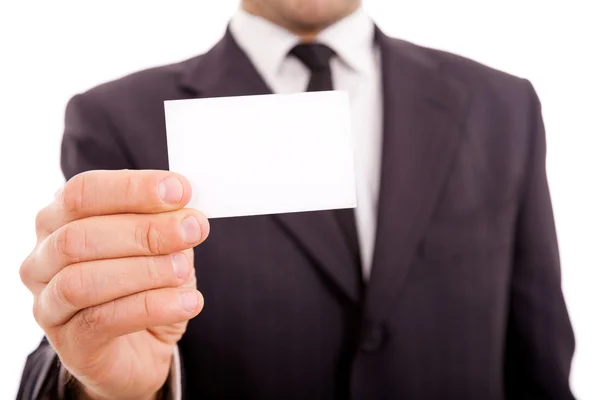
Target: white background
50, 50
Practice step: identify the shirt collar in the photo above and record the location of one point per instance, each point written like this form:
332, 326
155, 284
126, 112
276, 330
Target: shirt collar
268, 44
353, 39
265, 43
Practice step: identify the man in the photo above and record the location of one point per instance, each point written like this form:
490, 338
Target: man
444, 283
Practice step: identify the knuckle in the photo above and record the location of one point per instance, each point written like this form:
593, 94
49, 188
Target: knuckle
38, 313
70, 241
25, 270
73, 194
152, 269
149, 305
129, 189
68, 288
148, 237
41, 220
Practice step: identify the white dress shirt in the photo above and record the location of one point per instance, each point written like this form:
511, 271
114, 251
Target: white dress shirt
355, 69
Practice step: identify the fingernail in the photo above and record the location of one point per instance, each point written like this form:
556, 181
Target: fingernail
189, 301
170, 190
191, 230
180, 265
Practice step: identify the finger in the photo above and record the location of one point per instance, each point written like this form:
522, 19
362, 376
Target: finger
135, 313
115, 236
92, 283
114, 192
191, 282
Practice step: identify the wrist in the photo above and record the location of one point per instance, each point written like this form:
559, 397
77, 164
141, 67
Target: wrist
75, 390
81, 393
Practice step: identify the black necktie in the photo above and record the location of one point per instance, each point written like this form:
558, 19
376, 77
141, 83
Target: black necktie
316, 57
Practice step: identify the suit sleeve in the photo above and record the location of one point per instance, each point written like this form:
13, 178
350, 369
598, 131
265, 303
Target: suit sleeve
40, 364
90, 142
540, 341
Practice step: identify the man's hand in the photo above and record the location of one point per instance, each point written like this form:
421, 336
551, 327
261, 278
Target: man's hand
113, 279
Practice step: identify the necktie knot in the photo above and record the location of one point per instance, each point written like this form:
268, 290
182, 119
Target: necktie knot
315, 56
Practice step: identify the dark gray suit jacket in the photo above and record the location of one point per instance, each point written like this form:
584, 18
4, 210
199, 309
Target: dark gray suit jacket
464, 300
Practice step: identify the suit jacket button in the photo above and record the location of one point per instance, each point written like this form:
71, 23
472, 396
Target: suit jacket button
372, 338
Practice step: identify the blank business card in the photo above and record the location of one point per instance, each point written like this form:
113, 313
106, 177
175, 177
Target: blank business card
266, 154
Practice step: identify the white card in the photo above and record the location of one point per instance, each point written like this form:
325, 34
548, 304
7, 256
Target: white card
266, 154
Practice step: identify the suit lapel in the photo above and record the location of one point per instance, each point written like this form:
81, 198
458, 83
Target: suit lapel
223, 71
226, 71
423, 116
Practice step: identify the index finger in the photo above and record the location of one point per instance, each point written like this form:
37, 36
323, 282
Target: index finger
96, 193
